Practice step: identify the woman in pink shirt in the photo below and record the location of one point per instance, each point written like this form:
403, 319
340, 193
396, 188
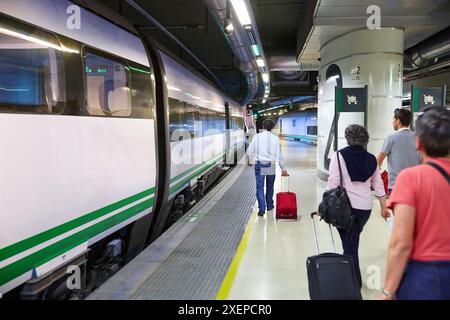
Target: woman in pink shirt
360, 172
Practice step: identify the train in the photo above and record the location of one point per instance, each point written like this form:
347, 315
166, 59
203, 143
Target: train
299, 126
106, 139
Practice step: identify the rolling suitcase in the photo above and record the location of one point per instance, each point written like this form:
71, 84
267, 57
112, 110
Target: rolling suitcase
331, 276
286, 205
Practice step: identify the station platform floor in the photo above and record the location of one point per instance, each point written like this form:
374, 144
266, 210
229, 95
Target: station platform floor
273, 266
222, 250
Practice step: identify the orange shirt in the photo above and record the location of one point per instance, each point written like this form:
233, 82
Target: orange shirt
425, 189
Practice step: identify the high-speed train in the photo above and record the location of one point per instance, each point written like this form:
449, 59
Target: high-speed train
300, 126
105, 139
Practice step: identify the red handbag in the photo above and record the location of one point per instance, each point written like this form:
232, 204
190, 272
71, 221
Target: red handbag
385, 178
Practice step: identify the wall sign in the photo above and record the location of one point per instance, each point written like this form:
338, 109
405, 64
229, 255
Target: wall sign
422, 98
350, 100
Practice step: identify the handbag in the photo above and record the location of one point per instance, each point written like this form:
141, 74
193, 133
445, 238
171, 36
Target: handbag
335, 208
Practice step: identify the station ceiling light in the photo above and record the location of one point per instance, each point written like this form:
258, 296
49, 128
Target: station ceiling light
242, 12
228, 27
255, 50
265, 77
260, 62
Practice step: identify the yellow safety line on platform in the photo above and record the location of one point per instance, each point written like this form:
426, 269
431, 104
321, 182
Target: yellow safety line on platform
234, 267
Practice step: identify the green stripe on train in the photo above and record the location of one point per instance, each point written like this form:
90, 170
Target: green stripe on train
175, 188
33, 241
34, 260
40, 257
47, 235
209, 163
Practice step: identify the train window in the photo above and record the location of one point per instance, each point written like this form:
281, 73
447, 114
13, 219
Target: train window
175, 117
312, 130
191, 114
222, 119
107, 87
141, 91
31, 71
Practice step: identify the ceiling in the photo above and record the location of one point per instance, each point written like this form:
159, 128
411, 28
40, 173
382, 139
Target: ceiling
419, 18
291, 31
278, 22
191, 23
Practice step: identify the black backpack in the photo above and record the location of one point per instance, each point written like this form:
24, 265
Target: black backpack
335, 208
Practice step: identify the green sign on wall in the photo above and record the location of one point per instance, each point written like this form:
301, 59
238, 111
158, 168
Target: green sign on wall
422, 98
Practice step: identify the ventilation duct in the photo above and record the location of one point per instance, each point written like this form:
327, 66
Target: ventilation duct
428, 52
240, 45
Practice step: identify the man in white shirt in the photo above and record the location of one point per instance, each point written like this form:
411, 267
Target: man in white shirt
264, 151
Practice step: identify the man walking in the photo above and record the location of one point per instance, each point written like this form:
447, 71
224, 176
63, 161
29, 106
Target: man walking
399, 148
264, 151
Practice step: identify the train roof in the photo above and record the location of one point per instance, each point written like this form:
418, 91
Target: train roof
109, 32
52, 16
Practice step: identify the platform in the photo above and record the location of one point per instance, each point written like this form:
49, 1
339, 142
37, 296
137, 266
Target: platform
274, 264
222, 250
190, 260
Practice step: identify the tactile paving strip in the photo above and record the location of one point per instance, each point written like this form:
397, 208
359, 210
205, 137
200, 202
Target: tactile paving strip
195, 269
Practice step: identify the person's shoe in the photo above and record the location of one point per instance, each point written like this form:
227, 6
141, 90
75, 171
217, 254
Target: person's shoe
261, 214
270, 209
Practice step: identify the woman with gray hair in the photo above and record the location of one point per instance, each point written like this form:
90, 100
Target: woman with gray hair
360, 172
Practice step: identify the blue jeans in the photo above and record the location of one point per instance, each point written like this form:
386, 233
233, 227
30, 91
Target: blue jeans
270, 181
425, 281
350, 239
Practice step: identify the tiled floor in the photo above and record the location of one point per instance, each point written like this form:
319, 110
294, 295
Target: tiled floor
274, 264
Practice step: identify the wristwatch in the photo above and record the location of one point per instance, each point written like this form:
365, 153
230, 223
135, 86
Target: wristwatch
387, 294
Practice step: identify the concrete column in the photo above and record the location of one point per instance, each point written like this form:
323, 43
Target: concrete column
355, 59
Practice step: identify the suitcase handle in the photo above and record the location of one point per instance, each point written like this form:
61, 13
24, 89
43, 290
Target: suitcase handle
315, 233
288, 181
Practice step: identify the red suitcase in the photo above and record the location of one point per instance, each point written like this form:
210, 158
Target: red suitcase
286, 206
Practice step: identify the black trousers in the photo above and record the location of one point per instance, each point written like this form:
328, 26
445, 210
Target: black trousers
350, 239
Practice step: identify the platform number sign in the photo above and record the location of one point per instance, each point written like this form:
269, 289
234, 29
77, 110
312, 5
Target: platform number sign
356, 73
423, 98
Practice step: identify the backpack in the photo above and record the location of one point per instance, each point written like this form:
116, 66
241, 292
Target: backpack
335, 208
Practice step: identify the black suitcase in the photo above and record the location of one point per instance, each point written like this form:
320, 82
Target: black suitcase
331, 276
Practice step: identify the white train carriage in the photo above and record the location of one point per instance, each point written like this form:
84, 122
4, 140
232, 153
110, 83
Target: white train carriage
90, 119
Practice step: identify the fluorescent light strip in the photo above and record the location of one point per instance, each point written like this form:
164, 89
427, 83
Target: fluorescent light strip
194, 97
173, 89
240, 8
265, 77
14, 90
256, 51
37, 41
260, 62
